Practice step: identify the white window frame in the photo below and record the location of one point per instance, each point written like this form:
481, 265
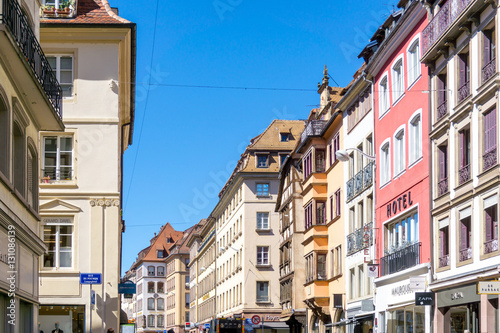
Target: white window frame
409, 238
257, 292
57, 70
263, 250
398, 79
57, 251
413, 57
399, 151
385, 162
257, 161
58, 152
260, 217
415, 137
383, 95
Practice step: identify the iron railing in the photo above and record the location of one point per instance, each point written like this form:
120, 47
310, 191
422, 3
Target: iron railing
465, 254
447, 14
358, 241
489, 159
314, 128
442, 109
362, 180
442, 186
444, 261
53, 174
490, 246
464, 91
20, 29
463, 174
400, 260
489, 70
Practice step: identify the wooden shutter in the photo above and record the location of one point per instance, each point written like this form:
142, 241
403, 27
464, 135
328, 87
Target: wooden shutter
441, 175
441, 242
461, 69
488, 223
486, 47
441, 89
461, 142
463, 234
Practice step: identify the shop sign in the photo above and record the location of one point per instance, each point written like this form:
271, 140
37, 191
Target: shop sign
488, 287
456, 296
399, 204
417, 283
367, 305
205, 297
264, 317
401, 290
426, 298
373, 270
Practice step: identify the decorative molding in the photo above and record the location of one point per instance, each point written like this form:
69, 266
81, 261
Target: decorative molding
116, 203
92, 202
107, 202
100, 202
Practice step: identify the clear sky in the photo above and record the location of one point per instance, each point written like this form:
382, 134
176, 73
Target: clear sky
187, 139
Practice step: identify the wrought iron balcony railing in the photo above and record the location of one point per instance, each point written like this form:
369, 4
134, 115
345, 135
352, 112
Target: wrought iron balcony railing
444, 261
465, 254
442, 109
448, 13
489, 159
490, 246
463, 174
400, 260
464, 91
489, 70
360, 239
52, 174
443, 186
20, 29
314, 128
362, 180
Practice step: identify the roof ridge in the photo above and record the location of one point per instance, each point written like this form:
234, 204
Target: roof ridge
112, 13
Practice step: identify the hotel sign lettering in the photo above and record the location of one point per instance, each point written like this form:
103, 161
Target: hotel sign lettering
404, 201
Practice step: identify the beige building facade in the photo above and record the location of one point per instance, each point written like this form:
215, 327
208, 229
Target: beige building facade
90, 52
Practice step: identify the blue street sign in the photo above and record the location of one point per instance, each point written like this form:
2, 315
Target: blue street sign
90, 278
207, 325
127, 287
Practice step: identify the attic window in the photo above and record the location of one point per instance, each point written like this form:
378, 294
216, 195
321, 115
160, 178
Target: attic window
159, 254
170, 240
284, 137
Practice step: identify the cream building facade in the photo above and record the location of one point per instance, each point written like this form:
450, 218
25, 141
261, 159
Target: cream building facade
30, 102
91, 51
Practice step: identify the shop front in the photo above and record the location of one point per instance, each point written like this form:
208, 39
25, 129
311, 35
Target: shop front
67, 318
264, 322
461, 309
360, 318
295, 319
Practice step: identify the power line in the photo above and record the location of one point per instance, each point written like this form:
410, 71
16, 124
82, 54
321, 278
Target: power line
216, 87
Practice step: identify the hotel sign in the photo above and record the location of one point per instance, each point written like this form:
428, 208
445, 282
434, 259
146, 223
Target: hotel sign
488, 287
399, 204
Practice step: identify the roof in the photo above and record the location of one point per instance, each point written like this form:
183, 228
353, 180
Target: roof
90, 12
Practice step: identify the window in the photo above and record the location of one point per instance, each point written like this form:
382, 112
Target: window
160, 287
186, 299
320, 212
262, 255
320, 160
160, 303
337, 203
415, 139
489, 49
151, 303
32, 178
338, 259
262, 189
352, 282
413, 62
490, 139
443, 169
399, 152
321, 266
307, 164
262, 161
282, 159
402, 233
4, 138
335, 146
151, 321
490, 224
284, 137
442, 95
151, 270
151, 287
385, 163
262, 291
160, 270
463, 76
397, 80
361, 282
58, 158
263, 221
308, 215
159, 254
444, 239
19, 142
465, 235
160, 320
58, 236
62, 66
464, 156
383, 96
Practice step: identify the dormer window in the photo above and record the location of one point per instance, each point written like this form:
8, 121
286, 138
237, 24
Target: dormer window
284, 137
159, 254
262, 161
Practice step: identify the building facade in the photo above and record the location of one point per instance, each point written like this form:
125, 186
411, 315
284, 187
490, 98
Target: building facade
403, 248
30, 102
459, 47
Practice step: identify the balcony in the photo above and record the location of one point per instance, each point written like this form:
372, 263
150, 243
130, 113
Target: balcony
463, 91
465, 254
442, 21
362, 180
40, 84
444, 261
490, 246
360, 239
442, 187
490, 159
314, 128
463, 174
442, 109
489, 70
399, 260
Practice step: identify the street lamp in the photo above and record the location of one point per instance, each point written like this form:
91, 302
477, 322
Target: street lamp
343, 156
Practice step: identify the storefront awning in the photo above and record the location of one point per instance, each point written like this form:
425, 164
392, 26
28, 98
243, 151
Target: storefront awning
274, 325
341, 323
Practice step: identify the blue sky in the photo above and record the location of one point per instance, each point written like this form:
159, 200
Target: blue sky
187, 139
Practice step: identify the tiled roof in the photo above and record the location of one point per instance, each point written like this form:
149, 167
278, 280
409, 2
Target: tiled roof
90, 12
